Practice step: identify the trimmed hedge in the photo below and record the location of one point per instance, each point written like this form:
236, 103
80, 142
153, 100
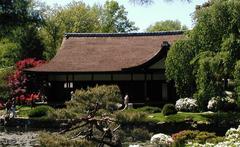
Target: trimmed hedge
169, 109
40, 111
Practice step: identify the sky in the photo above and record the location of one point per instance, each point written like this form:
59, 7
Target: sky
144, 16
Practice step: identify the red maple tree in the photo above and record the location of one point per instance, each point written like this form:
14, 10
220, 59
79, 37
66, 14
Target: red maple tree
18, 81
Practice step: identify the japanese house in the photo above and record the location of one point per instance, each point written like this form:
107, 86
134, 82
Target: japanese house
133, 61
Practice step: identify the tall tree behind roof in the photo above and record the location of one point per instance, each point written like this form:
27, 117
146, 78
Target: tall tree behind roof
79, 17
167, 25
147, 2
114, 18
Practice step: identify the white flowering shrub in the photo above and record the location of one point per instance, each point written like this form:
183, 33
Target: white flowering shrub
222, 103
161, 139
186, 105
233, 134
215, 103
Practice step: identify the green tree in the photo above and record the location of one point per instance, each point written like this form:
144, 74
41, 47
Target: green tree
179, 69
79, 17
75, 17
237, 80
210, 72
5, 90
17, 13
167, 25
20, 21
147, 2
114, 19
215, 49
31, 43
9, 53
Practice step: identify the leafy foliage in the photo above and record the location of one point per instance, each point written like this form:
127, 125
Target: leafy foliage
181, 138
168, 109
69, 113
19, 83
222, 104
19, 33
149, 109
167, 25
130, 116
140, 134
237, 80
96, 123
31, 44
9, 53
17, 13
111, 17
114, 18
209, 53
4, 88
103, 95
84, 101
40, 111
179, 69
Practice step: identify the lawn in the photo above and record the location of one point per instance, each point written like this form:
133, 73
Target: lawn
204, 117
2, 112
23, 111
179, 117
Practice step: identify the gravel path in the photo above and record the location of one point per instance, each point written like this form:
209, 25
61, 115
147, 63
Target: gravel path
19, 139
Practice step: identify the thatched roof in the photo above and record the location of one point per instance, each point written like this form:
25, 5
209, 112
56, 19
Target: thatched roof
102, 52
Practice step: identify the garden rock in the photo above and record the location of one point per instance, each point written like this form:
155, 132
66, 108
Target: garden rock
161, 139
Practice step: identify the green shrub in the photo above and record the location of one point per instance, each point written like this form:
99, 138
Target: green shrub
140, 134
131, 116
169, 109
122, 135
56, 140
149, 109
237, 81
185, 136
180, 138
105, 96
63, 114
40, 111
4, 88
83, 101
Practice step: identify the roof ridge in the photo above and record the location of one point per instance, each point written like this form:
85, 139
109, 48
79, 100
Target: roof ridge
162, 33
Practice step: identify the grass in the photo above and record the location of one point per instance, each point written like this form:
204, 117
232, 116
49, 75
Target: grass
198, 117
2, 112
179, 117
23, 111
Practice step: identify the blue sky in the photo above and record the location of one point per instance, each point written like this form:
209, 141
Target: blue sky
143, 16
